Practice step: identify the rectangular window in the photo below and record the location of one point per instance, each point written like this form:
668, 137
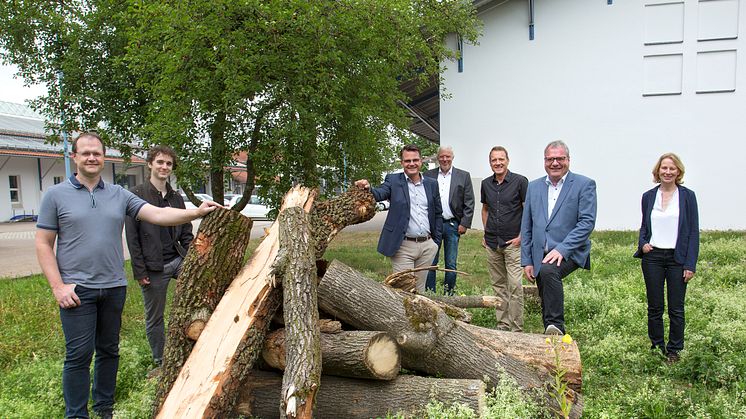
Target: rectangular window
14, 182
57, 179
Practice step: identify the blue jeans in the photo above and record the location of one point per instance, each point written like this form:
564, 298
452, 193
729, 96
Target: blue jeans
154, 301
94, 324
659, 268
450, 253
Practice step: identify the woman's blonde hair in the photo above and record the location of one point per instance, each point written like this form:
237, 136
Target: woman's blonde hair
676, 161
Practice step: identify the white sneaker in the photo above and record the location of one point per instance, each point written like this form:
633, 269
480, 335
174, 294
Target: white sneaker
552, 330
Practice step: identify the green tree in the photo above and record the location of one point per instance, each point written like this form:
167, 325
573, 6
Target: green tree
308, 89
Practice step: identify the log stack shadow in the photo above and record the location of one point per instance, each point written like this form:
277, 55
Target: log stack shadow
347, 364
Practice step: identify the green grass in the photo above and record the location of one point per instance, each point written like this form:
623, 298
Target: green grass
605, 313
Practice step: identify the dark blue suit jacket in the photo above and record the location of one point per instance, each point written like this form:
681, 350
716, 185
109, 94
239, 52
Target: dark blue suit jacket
687, 241
394, 188
567, 230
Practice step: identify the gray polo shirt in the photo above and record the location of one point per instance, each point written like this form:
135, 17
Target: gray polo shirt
89, 230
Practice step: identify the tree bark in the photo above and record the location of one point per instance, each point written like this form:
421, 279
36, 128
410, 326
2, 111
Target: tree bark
296, 264
329, 217
340, 397
468, 301
214, 258
430, 341
231, 342
355, 354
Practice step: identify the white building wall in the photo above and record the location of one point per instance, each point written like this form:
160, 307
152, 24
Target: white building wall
582, 80
28, 170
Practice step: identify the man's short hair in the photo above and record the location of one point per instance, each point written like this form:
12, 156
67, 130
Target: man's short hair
92, 134
409, 147
676, 161
558, 144
500, 148
161, 149
445, 148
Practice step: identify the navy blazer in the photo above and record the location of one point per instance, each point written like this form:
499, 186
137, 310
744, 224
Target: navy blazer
568, 229
687, 241
394, 188
460, 196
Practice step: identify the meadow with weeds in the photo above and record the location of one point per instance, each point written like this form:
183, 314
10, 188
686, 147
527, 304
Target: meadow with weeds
605, 311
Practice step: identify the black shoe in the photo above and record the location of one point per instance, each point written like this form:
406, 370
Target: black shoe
673, 357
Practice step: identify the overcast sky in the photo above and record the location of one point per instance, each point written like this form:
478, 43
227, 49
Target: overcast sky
13, 90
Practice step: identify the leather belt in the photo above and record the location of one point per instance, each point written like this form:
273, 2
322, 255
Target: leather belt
418, 239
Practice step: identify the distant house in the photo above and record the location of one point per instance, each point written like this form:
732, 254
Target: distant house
621, 82
29, 166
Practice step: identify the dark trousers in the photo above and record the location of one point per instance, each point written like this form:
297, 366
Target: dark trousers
552, 293
154, 301
450, 254
659, 267
93, 325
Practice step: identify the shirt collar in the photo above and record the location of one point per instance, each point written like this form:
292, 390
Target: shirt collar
409, 180
561, 181
77, 185
507, 177
440, 172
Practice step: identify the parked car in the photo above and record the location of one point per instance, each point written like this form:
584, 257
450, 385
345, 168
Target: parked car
254, 209
382, 205
202, 196
227, 199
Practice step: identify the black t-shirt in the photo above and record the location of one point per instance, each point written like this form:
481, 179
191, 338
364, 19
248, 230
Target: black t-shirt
505, 208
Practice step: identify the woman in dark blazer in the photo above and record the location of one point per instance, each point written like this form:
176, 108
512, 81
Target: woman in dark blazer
669, 246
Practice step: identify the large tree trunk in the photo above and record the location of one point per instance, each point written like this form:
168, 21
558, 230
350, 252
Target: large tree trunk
296, 264
351, 398
231, 342
468, 301
214, 258
355, 354
431, 342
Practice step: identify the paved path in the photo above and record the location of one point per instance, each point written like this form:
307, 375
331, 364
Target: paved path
18, 254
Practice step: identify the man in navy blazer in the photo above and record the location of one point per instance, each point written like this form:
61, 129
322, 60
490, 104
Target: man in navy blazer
558, 218
457, 202
414, 224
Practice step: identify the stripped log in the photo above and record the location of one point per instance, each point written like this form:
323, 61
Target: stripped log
355, 354
296, 264
351, 398
214, 258
431, 342
231, 342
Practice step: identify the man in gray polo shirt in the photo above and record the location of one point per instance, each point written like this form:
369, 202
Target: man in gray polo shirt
85, 215
503, 194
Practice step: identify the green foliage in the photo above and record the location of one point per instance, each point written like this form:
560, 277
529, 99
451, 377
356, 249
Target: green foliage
309, 89
605, 310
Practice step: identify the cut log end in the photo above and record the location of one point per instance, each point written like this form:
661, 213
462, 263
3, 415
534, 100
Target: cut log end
383, 358
195, 328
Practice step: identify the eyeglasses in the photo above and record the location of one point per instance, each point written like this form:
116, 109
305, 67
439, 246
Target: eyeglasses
553, 159
410, 161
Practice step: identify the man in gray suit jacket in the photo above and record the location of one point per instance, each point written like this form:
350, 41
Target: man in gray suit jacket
457, 201
558, 218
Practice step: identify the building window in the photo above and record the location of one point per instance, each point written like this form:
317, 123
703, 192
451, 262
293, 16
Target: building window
57, 179
14, 182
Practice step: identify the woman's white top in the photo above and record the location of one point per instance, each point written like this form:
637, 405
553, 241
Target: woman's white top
664, 224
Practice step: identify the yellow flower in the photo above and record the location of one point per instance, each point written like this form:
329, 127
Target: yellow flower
567, 339
547, 340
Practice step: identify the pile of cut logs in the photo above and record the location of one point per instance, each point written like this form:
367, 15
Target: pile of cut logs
339, 340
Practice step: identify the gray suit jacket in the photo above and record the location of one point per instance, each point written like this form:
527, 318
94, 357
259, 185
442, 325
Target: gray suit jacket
461, 196
567, 229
